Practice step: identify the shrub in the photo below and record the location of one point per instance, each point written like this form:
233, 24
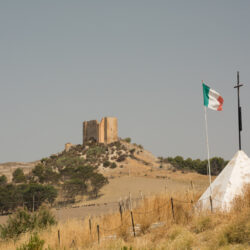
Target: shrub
128, 140
106, 164
23, 221
121, 158
34, 243
113, 165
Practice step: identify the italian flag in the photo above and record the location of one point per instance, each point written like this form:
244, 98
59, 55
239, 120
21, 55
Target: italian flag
212, 99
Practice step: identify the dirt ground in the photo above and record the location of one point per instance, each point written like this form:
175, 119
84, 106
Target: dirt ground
119, 188
138, 177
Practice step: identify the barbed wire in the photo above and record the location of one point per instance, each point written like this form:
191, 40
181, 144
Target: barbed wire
190, 202
114, 229
153, 210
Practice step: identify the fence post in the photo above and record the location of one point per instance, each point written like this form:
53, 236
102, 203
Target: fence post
89, 225
98, 233
133, 224
130, 201
172, 206
211, 203
120, 210
59, 237
33, 207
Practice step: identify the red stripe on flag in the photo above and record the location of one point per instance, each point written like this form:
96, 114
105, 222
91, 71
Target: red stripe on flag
221, 101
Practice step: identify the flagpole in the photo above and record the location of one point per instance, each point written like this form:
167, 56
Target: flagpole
208, 154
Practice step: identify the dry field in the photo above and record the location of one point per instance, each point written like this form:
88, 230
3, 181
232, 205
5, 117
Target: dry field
119, 188
156, 227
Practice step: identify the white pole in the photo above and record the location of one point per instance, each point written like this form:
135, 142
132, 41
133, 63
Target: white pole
208, 156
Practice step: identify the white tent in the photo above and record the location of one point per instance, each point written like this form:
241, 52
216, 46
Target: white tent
228, 184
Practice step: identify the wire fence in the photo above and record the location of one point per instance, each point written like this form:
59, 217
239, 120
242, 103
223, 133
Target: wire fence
127, 213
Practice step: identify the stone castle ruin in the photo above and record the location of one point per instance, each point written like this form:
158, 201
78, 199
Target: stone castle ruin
103, 132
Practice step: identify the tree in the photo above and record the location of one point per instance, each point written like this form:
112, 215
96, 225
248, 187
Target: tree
75, 186
45, 174
217, 164
3, 180
84, 178
97, 182
35, 194
18, 176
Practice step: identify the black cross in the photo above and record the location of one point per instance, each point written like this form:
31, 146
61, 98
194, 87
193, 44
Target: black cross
239, 107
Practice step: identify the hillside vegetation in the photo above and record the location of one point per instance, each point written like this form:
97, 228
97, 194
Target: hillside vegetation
158, 224
200, 166
63, 176
84, 170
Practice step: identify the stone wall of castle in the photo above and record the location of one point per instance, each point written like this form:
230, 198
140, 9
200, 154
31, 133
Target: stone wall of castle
90, 130
104, 132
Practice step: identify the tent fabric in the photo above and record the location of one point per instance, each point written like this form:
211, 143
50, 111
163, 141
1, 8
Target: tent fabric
228, 184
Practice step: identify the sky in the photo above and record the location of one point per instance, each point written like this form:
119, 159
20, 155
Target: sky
64, 62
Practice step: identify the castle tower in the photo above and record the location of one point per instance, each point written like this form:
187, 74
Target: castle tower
90, 130
103, 132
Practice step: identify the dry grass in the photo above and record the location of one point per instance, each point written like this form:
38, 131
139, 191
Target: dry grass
156, 227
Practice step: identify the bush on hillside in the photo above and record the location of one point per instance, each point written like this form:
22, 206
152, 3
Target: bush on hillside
24, 221
18, 176
217, 164
34, 243
13, 196
106, 164
127, 139
113, 165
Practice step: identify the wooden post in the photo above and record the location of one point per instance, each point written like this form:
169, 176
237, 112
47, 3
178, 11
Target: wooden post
120, 210
172, 205
132, 219
89, 225
33, 207
211, 203
59, 237
130, 202
98, 234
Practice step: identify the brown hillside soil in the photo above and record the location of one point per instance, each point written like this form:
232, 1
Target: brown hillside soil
139, 176
155, 228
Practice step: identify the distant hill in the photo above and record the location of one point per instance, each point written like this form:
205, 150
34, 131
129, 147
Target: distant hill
114, 159
9, 167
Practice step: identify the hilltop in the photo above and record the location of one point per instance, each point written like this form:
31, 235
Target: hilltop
97, 173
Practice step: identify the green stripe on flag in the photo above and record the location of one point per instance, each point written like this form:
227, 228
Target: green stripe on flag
206, 90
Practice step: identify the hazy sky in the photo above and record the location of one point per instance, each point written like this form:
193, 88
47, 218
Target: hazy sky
63, 62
